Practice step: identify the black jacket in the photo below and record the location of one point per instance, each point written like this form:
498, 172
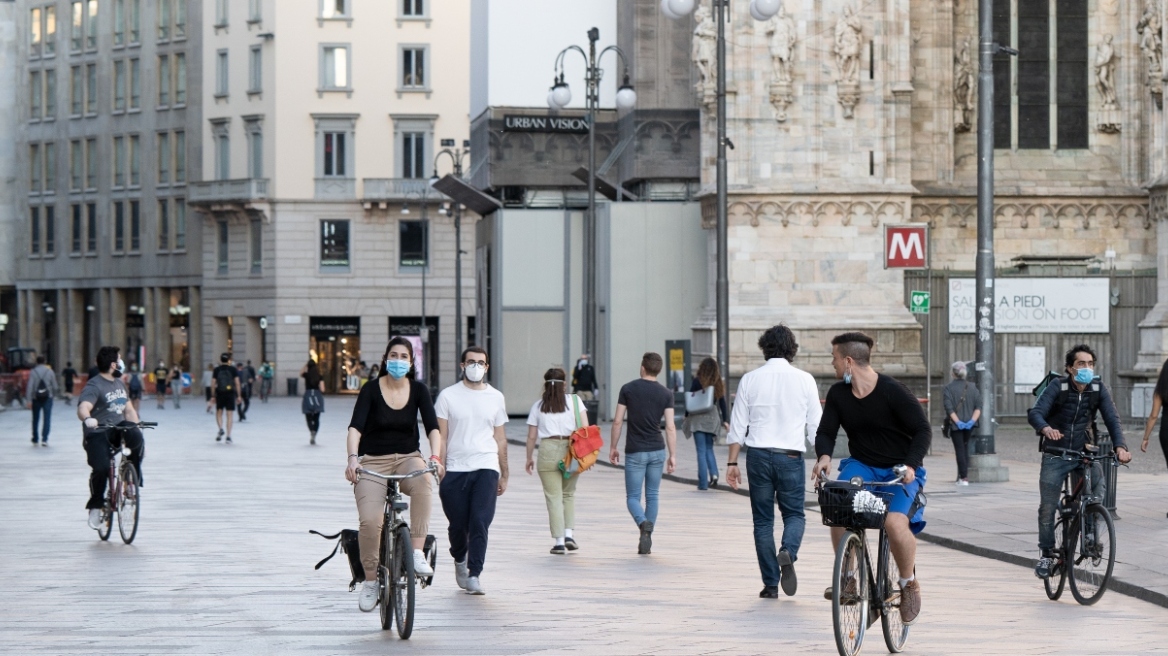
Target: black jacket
1073, 416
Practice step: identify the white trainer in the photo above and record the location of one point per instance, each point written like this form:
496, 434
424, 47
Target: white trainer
474, 587
461, 574
367, 600
95, 519
422, 564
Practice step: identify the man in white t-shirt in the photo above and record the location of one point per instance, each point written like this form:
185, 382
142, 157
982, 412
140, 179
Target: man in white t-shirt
471, 416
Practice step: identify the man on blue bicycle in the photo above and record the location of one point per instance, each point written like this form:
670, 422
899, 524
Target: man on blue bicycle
105, 402
886, 427
1064, 418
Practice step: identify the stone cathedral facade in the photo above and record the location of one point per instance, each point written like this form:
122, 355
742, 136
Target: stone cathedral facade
846, 115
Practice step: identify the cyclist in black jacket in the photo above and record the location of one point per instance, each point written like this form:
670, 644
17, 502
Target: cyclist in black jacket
1064, 417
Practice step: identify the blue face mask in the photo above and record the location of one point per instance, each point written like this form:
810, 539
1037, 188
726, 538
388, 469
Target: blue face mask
397, 368
1084, 375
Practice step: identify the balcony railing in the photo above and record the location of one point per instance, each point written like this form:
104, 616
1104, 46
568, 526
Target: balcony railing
336, 188
229, 191
398, 189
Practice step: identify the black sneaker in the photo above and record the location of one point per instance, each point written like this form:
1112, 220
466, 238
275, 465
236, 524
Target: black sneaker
769, 592
787, 577
559, 550
645, 545
1042, 569
229, 439
571, 544
219, 437
35, 441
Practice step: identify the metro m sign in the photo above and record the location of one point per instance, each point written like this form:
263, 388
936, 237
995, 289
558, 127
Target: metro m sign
906, 246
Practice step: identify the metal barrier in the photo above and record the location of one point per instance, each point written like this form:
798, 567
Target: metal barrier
1110, 474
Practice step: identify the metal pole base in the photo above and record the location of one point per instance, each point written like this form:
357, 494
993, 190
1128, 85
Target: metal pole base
987, 468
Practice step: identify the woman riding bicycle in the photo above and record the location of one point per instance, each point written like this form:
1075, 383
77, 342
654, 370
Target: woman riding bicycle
105, 402
383, 437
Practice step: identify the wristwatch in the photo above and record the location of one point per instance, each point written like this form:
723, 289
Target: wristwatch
731, 464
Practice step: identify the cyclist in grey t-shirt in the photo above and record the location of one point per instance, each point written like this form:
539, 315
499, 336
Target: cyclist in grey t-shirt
105, 402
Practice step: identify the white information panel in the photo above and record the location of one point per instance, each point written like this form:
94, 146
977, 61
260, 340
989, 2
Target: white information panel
1035, 305
1029, 368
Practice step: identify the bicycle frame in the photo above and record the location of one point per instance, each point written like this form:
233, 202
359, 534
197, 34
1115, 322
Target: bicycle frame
1076, 496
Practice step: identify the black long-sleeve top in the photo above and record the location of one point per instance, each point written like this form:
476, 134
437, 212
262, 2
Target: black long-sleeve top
387, 431
886, 428
696, 386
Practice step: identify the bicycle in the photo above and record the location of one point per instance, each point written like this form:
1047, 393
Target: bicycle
395, 567
1090, 553
123, 493
858, 597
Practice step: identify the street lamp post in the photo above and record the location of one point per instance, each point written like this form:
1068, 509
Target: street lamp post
456, 156
558, 97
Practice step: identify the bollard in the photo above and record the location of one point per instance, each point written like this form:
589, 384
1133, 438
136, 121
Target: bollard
293, 385
1110, 474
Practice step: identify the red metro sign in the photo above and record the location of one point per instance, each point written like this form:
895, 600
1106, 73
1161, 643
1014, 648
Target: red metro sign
906, 246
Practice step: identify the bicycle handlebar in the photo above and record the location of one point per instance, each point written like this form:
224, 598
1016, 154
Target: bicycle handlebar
141, 424
1071, 454
430, 469
899, 470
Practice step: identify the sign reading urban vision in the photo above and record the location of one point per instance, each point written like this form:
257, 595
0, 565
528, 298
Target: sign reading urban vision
558, 124
1034, 305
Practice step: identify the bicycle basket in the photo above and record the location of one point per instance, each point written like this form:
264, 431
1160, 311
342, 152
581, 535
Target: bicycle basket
850, 506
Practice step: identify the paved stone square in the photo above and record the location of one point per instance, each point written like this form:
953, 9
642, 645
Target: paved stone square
223, 565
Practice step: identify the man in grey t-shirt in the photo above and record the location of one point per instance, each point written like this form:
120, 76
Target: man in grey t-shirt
103, 403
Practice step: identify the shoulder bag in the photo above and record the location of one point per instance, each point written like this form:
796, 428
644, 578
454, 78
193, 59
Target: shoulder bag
699, 403
584, 446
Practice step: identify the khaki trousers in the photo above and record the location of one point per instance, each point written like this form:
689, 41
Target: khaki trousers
370, 495
559, 492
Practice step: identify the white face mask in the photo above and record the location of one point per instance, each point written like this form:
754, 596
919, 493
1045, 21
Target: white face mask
475, 372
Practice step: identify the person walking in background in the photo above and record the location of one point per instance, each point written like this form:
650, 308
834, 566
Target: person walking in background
267, 373
551, 422
471, 417
134, 387
705, 425
68, 376
207, 387
244, 389
645, 401
312, 404
176, 384
161, 374
1159, 396
226, 390
584, 378
42, 389
775, 410
962, 410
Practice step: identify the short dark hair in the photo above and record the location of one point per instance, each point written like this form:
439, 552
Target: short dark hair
1080, 348
778, 342
855, 345
475, 349
224, 358
107, 356
40, 359
69, 364
652, 363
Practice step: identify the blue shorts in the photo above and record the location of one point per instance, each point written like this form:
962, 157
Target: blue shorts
907, 500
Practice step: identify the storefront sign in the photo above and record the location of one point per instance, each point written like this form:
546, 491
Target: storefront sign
557, 124
334, 326
1035, 305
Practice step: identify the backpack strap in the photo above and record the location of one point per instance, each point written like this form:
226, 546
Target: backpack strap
576, 408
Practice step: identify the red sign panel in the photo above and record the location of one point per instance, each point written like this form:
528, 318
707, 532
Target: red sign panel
906, 246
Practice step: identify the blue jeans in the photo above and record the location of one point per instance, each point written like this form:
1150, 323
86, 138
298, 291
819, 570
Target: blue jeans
45, 406
1050, 485
643, 469
707, 461
775, 477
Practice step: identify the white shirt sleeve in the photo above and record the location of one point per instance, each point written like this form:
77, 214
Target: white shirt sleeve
533, 416
814, 407
441, 407
740, 414
501, 413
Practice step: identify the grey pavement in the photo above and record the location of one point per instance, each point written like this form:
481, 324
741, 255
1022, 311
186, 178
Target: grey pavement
223, 565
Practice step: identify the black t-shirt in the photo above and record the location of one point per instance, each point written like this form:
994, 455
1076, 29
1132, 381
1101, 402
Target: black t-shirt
68, 375
886, 428
646, 401
384, 430
226, 371
311, 378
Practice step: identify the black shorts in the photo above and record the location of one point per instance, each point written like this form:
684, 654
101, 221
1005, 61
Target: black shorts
225, 400
207, 393
134, 396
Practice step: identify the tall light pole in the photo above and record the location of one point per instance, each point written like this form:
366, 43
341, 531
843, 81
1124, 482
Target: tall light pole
558, 97
760, 10
456, 156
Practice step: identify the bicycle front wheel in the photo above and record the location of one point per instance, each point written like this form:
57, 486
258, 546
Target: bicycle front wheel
107, 522
128, 503
1091, 554
895, 632
1058, 573
404, 582
385, 578
849, 595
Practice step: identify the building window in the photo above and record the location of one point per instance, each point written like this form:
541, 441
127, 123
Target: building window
50, 93
34, 230
334, 9
334, 67
50, 31
413, 155
75, 232
220, 13
120, 85
334, 244
180, 19
164, 20
135, 161
119, 162
76, 93
221, 73
91, 26
254, 11
413, 146
180, 79
180, 224
221, 136
221, 251
135, 226
413, 8
163, 80
50, 149
257, 246
119, 22
414, 238
90, 164
135, 84
77, 13
255, 70
413, 60
35, 168
334, 155
119, 210
255, 149
180, 157
163, 158
50, 230
163, 224
91, 228
75, 165
135, 17
91, 89
35, 95
35, 36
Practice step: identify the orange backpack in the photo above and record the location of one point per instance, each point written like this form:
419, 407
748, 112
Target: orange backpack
583, 446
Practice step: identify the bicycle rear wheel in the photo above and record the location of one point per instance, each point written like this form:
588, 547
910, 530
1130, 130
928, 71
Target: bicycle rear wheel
1091, 560
895, 632
404, 582
128, 502
384, 580
1058, 573
107, 524
849, 595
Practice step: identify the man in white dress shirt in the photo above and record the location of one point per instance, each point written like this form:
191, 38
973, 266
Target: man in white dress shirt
775, 409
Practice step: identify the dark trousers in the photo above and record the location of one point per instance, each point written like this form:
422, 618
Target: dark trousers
775, 477
38, 407
961, 440
98, 445
245, 401
313, 419
1164, 440
468, 499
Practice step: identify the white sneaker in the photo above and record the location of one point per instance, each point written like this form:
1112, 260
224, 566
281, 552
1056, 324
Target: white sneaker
367, 600
461, 574
474, 587
95, 519
422, 564
963, 482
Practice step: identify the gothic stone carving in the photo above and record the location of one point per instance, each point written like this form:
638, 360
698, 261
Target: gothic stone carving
963, 89
705, 43
848, 33
1108, 120
810, 212
1049, 213
781, 41
1152, 45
